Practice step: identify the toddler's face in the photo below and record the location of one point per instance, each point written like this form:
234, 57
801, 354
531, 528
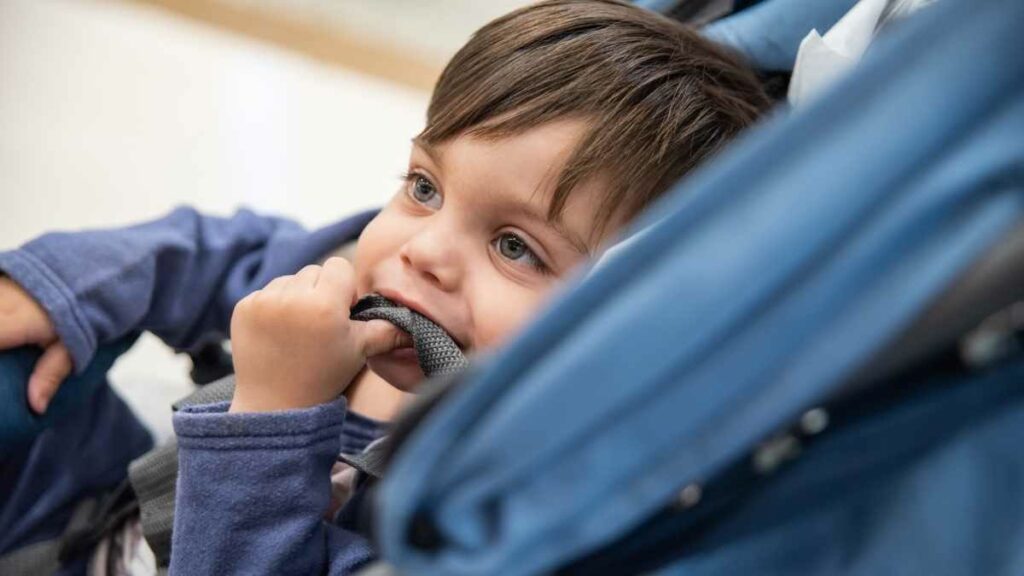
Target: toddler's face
466, 240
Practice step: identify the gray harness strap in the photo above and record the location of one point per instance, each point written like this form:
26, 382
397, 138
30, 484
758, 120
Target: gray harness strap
436, 350
372, 460
378, 569
154, 475
220, 391
34, 559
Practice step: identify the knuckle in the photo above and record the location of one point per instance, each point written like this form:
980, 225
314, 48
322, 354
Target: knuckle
244, 305
252, 306
340, 263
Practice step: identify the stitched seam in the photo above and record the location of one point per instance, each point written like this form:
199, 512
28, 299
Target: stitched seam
191, 443
332, 430
60, 288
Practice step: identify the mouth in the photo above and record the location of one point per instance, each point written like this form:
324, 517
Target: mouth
419, 309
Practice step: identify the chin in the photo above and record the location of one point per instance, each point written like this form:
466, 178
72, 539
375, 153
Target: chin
400, 371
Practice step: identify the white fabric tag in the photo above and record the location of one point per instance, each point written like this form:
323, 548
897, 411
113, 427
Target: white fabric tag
822, 60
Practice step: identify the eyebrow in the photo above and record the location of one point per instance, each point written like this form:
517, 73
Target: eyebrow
523, 209
433, 153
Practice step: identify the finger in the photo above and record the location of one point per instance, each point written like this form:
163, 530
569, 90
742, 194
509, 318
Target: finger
50, 371
380, 336
308, 276
337, 276
277, 284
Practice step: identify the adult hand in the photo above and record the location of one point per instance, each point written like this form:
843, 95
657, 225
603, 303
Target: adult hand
24, 322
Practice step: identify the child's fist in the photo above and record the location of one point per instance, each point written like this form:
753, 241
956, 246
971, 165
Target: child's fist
294, 345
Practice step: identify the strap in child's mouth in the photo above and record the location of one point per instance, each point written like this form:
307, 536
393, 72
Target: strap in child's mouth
436, 350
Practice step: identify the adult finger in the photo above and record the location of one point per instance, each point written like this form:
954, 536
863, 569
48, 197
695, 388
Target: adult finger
50, 371
14, 332
22, 319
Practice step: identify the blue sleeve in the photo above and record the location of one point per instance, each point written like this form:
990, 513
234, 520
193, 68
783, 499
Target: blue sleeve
253, 490
178, 276
360, 431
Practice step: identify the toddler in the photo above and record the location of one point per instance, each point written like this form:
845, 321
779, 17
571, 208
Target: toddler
551, 128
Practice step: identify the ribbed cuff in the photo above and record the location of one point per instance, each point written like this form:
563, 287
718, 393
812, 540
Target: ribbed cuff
212, 427
359, 431
57, 299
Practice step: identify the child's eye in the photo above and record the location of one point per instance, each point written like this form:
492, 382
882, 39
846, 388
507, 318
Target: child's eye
423, 191
512, 247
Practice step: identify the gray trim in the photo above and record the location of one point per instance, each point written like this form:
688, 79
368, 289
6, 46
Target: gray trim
41, 558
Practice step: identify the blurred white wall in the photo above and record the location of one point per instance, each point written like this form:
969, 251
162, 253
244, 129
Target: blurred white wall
114, 112
434, 29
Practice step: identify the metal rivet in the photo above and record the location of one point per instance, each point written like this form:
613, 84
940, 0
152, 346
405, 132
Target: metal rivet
814, 421
690, 495
774, 452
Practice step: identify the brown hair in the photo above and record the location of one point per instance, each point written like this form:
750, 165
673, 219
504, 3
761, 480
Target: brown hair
658, 99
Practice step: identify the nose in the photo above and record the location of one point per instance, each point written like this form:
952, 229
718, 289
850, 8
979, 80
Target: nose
432, 254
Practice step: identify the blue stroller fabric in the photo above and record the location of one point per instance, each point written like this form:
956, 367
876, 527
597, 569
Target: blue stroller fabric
81, 455
752, 293
769, 34
919, 477
657, 5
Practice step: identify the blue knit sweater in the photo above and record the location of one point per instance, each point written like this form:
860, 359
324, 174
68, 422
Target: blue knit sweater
253, 488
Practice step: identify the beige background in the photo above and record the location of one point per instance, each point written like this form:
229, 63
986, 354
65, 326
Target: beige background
113, 112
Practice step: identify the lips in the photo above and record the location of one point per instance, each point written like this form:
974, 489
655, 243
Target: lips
418, 308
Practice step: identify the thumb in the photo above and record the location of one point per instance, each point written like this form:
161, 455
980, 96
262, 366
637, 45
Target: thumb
381, 336
50, 371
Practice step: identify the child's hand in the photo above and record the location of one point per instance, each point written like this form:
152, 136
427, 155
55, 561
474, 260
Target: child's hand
294, 345
23, 321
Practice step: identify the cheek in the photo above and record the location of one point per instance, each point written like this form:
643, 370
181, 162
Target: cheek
381, 238
501, 310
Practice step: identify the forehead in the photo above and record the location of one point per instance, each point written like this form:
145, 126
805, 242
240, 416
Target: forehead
515, 173
531, 159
